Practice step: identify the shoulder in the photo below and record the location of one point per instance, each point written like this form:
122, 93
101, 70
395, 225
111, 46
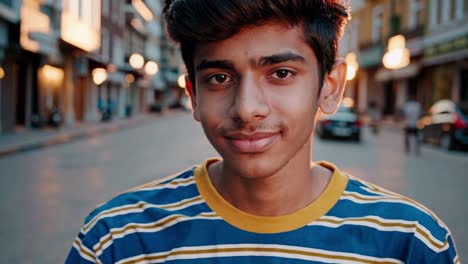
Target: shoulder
386, 211
390, 203
146, 208
156, 194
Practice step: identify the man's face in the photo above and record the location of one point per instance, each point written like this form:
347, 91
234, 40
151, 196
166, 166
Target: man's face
257, 97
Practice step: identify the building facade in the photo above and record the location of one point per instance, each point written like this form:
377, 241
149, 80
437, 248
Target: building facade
49, 50
9, 41
436, 36
445, 44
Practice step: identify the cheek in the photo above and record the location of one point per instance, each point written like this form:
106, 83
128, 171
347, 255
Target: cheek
211, 110
300, 100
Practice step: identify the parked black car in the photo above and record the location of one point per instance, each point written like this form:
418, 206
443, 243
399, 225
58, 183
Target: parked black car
345, 123
445, 124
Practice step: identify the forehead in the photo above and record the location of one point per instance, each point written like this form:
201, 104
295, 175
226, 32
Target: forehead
254, 42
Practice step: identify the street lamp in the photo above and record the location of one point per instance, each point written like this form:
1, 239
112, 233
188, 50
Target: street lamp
2, 73
352, 66
397, 55
348, 102
151, 68
136, 61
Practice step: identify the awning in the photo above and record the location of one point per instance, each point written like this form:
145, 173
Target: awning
383, 74
446, 58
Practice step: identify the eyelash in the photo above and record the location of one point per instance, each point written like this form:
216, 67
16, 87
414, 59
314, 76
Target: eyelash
212, 78
289, 73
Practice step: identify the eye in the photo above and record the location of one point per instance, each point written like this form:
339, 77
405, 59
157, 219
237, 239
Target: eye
219, 78
282, 74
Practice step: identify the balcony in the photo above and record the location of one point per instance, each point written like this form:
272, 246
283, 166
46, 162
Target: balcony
416, 32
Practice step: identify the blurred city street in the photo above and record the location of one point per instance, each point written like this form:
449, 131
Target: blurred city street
45, 194
93, 102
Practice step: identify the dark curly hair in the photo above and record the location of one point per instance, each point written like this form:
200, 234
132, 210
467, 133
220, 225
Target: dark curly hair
189, 22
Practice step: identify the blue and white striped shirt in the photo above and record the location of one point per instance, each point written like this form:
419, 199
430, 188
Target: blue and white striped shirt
182, 219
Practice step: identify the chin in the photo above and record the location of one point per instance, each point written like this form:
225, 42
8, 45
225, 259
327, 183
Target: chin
252, 166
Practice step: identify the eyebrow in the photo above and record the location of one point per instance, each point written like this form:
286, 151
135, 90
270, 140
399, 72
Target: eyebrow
215, 64
279, 58
262, 61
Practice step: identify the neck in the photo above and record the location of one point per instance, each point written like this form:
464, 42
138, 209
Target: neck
292, 188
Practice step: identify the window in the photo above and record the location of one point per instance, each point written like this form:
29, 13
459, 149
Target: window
97, 13
115, 8
105, 44
73, 6
118, 52
377, 23
460, 9
122, 15
466, 7
415, 13
446, 8
433, 13
105, 7
355, 34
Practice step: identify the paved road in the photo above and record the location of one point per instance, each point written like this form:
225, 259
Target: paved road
45, 194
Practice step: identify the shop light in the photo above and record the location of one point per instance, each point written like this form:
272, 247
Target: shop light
151, 68
2, 73
142, 9
348, 102
99, 76
397, 56
32, 21
181, 81
352, 66
129, 78
136, 61
52, 74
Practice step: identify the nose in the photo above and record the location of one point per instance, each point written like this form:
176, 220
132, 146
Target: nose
250, 102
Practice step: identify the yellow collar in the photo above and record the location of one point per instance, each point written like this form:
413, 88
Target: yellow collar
270, 224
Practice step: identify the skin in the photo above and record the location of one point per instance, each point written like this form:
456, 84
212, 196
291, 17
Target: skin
257, 99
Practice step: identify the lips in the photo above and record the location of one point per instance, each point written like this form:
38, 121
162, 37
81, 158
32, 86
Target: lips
252, 143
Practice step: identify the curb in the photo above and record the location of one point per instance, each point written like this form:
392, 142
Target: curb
74, 136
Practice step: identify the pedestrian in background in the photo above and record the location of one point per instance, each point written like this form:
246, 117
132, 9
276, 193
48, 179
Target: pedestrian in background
374, 117
411, 113
260, 73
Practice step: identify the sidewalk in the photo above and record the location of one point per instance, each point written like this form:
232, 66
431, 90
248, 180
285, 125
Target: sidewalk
35, 139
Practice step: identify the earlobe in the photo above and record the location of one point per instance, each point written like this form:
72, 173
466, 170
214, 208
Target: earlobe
333, 87
193, 102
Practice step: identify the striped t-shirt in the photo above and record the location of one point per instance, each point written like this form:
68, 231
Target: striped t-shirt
183, 219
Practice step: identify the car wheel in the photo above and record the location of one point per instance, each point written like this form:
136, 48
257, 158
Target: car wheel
323, 135
357, 137
446, 142
320, 134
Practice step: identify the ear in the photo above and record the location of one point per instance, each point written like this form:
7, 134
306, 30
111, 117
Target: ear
333, 88
193, 99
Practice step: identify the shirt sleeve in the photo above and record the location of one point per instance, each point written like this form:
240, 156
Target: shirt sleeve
83, 248
81, 253
447, 256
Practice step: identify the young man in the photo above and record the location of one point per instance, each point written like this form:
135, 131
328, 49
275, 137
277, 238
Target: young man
261, 71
